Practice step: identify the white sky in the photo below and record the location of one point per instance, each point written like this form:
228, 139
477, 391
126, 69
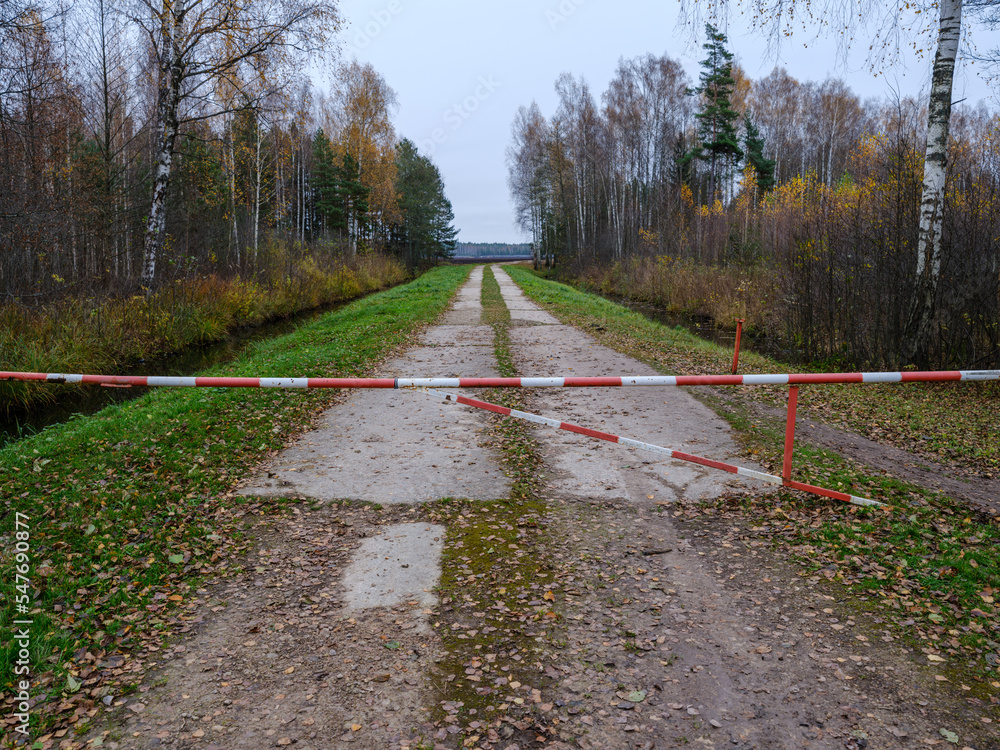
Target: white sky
461, 68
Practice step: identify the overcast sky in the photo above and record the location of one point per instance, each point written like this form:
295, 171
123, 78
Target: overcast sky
461, 68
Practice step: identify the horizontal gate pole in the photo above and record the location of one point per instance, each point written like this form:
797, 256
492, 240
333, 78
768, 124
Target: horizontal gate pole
533, 382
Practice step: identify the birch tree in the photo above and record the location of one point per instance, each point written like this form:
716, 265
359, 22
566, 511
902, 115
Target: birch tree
364, 104
194, 45
526, 167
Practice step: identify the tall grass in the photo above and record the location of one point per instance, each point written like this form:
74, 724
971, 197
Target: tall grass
681, 285
88, 335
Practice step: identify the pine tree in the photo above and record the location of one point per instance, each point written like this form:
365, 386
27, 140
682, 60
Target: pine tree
341, 200
753, 142
719, 143
426, 231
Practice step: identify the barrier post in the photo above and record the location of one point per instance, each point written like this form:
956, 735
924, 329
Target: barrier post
736, 354
793, 400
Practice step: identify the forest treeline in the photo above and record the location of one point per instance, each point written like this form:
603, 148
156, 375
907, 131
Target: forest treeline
490, 249
141, 143
789, 202
169, 172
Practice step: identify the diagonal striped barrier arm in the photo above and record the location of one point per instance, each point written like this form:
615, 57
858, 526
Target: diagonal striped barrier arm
651, 448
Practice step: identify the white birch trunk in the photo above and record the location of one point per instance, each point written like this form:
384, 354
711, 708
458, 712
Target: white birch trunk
928, 270
167, 126
258, 164
234, 240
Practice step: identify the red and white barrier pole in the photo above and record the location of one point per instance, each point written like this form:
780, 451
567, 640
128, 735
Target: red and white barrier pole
793, 400
126, 381
568, 382
650, 447
736, 351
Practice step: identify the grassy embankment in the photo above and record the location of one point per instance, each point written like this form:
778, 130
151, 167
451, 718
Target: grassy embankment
84, 335
929, 563
129, 510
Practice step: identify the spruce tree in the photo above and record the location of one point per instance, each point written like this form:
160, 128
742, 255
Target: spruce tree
719, 143
341, 200
326, 185
426, 232
753, 142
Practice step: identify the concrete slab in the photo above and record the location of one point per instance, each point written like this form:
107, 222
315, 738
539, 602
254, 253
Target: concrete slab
401, 564
466, 310
458, 335
665, 416
522, 310
393, 447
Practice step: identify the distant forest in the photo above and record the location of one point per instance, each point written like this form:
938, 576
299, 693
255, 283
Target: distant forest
490, 249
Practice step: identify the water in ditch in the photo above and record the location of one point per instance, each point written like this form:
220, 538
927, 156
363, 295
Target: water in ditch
91, 399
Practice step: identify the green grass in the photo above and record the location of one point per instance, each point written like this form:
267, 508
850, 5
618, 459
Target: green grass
931, 564
131, 509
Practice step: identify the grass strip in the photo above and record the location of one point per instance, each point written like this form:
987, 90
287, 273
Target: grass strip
931, 565
499, 584
128, 511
